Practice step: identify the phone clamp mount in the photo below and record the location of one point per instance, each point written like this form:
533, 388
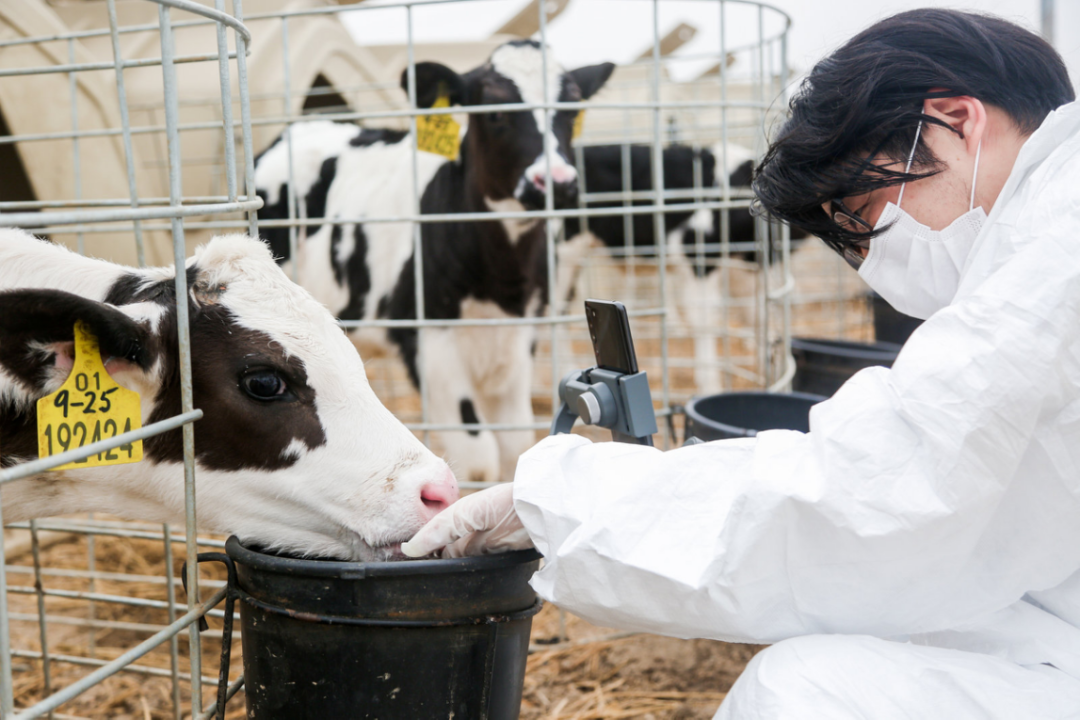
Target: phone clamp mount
610, 399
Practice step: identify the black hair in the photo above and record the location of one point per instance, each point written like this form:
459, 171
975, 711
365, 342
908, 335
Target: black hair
866, 99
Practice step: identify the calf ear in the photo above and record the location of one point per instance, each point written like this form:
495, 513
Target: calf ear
432, 80
37, 332
592, 77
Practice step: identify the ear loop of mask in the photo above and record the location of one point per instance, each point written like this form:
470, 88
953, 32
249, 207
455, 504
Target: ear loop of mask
910, 158
975, 176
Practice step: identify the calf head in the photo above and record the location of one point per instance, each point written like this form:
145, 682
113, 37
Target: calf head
504, 151
294, 452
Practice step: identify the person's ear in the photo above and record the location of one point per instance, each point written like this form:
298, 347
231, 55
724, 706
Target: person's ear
965, 114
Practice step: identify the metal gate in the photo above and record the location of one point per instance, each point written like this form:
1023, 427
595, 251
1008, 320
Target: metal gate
172, 197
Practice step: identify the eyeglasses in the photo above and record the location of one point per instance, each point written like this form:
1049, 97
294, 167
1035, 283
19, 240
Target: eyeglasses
850, 221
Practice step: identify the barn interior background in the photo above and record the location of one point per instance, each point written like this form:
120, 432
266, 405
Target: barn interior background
128, 131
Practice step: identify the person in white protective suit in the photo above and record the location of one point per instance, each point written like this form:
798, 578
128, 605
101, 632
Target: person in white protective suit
917, 553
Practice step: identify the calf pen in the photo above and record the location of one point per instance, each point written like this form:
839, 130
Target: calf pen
65, 618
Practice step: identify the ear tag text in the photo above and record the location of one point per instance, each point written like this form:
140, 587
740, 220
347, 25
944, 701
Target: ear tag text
439, 134
90, 406
579, 125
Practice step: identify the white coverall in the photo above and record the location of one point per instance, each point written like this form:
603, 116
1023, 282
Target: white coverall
917, 553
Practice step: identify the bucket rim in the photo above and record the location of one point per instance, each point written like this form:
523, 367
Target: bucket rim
877, 350
356, 570
698, 418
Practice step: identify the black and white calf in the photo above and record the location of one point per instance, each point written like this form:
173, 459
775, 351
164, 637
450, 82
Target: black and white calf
488, 269
696, 292
294, 452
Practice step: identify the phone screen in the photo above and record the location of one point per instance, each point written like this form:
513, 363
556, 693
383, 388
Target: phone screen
609, 328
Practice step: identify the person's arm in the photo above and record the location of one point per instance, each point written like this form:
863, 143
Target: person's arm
905, 508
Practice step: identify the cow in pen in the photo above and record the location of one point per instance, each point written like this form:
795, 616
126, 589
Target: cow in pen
363, 269
293, 453
693, 237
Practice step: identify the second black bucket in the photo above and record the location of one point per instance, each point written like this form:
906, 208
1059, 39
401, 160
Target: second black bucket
822, 366
891, 325
744, 414
386, 640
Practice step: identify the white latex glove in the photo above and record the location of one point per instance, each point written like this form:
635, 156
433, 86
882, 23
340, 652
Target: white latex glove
479, 524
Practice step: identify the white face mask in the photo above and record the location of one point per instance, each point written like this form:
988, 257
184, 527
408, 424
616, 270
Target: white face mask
916, 269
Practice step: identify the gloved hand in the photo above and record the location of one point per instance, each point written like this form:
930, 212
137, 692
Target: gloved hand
479, 524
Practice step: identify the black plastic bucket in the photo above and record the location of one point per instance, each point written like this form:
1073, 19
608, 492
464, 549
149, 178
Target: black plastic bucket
890, 325
744, 414
822, 366
386, 640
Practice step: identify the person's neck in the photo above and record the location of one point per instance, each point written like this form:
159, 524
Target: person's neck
1000, 150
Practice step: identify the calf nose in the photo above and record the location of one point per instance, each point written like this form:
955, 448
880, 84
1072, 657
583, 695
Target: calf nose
439, 494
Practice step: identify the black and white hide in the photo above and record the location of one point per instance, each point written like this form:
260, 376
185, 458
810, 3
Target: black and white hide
489, 269
294, 452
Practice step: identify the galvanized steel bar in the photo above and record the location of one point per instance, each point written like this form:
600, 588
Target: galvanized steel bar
37, 220
24, 470
188, 620
659, 224
226, 103
174, 644
125, 125
7, 698
418, 234
76, 157
245, 118
549, 205
215, 15
290, 187
43, 634
168, 73
91, 662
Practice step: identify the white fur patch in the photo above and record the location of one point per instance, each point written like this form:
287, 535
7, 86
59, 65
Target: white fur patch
514, 228
312, 143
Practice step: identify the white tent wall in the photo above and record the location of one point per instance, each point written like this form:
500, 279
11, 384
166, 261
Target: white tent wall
39, 104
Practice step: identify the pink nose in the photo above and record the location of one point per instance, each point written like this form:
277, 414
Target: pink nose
440, 494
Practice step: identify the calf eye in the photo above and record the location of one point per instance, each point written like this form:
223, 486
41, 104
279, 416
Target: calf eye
265, 385
497, 118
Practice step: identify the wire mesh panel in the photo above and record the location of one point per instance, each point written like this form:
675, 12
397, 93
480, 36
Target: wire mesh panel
87, 186
710, 301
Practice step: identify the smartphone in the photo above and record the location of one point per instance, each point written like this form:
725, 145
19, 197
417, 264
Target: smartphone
609, 328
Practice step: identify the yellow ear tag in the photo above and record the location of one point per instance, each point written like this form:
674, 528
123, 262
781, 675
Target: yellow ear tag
439, 134
579, 125
88, 407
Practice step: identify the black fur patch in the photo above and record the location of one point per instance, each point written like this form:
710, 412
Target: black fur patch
469, 416
370, 136
353, 273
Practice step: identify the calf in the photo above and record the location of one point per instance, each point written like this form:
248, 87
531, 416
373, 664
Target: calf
293, 452
490, 269
696, 293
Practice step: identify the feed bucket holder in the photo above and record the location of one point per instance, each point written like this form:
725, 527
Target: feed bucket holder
387, 640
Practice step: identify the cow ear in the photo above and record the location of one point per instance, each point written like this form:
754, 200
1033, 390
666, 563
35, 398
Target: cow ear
37, 335
432, 80
592, 77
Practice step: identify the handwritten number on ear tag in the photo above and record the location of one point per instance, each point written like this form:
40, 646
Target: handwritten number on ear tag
439, 134
90, 406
